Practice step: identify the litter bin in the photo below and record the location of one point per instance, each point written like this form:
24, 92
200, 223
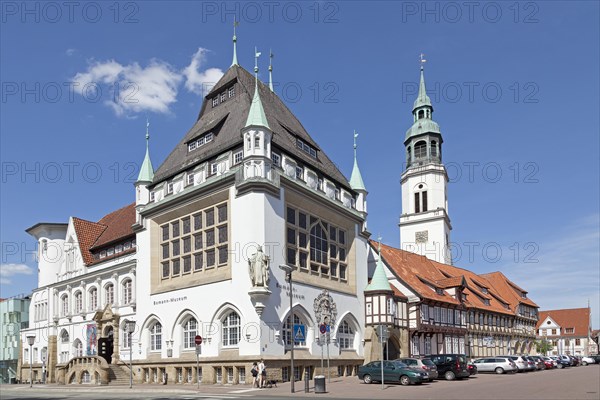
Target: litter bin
320, 384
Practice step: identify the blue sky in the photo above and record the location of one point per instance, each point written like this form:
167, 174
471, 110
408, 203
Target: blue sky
515, 88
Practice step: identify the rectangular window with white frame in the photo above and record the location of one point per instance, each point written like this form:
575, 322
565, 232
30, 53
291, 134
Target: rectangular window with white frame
190, 178
276, 158
238, 157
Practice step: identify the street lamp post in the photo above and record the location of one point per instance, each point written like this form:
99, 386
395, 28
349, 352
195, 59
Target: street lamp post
288, 277
30, 341
130, 326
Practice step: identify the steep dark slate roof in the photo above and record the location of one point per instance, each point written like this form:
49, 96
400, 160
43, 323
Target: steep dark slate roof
228, 118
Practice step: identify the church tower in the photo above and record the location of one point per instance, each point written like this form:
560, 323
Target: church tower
424, 224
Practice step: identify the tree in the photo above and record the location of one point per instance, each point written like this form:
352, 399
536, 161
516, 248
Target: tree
543, 346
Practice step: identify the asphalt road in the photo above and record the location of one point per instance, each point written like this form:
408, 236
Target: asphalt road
568, 384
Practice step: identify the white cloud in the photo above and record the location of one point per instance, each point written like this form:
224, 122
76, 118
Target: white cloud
70, 52
133, 88
9, 270
200, 82
567, 273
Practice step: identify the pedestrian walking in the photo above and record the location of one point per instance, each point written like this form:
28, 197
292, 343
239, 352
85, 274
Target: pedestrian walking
254, 372
262, 372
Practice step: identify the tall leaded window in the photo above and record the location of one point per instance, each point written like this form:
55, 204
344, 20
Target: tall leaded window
127, 293
190, 330
315, 246
156, 337
127, 337
109, 293
65, 305
78, 302
231, 329
93, 299
64, 336
288, 332
202, 244
77, 348
421, 149
345, 336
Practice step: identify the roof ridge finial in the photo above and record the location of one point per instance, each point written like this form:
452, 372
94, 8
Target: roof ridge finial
379, 244
271, 55
422, 61
256, 55
355, 145
147, 130
235, 24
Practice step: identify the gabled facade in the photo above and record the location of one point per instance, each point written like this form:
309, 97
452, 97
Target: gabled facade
450, 310
568, 331
246, 190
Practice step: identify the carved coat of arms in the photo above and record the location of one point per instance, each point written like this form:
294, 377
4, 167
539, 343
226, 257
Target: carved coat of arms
325, 309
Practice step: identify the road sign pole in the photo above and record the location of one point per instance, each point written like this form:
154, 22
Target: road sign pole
198, 367
328, 369
321, 343
381, 342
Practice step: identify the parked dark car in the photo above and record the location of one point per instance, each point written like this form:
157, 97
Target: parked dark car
472, 368
563, 361
393, 371
539, 362
451, 366
425, 364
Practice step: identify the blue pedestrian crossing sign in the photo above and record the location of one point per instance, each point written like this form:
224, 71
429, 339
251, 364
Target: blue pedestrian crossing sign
299, 333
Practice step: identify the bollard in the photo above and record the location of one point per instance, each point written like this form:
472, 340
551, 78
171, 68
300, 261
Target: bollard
306, 383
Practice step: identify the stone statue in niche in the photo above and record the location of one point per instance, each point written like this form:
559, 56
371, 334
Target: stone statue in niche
258, 266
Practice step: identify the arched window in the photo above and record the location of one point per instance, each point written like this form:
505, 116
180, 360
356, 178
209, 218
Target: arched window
434, 148
421, 114
408, 154
77, 348
109, 293
78, 302
318, 248
127, 338
65, 305
156, 337
93, 303
345, 336
421, 149
64, 336
231, 329
421, 204
190, 330
288, 330
127, 294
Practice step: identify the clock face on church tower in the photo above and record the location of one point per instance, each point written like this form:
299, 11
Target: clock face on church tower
421, 237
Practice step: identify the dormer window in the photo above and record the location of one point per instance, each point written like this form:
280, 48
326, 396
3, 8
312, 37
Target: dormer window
223, 97
484, 290
190, 178
231, 91
439, 291
308, 149
152, 196
170, 188
213, 168
215, 101
237, 157
276, 158
103, 254
524, 295
337, 194
299, 173
320, 184
201, 141
486, 302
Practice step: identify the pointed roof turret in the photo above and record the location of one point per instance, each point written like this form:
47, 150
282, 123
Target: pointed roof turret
379, 281
256, 116
234, 62
422, 99
356, 180
146, 174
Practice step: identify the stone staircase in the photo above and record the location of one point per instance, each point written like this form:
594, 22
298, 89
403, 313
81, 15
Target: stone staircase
117, 375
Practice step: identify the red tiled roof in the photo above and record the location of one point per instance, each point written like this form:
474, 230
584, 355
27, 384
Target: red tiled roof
475, 296
576, 318
508, 290
451, 282
112, 227
409, 267
118, 225
87, 233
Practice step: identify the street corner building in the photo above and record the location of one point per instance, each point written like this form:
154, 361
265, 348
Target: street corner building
251, 241
247, 189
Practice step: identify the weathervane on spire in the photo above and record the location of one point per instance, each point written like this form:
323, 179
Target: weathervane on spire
422, 60
379, 246
256, 55
271, 55
147, 129
355, 145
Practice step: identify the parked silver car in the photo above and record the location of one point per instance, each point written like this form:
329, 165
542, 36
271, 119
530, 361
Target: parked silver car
425, 364
522, 363
499, 365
